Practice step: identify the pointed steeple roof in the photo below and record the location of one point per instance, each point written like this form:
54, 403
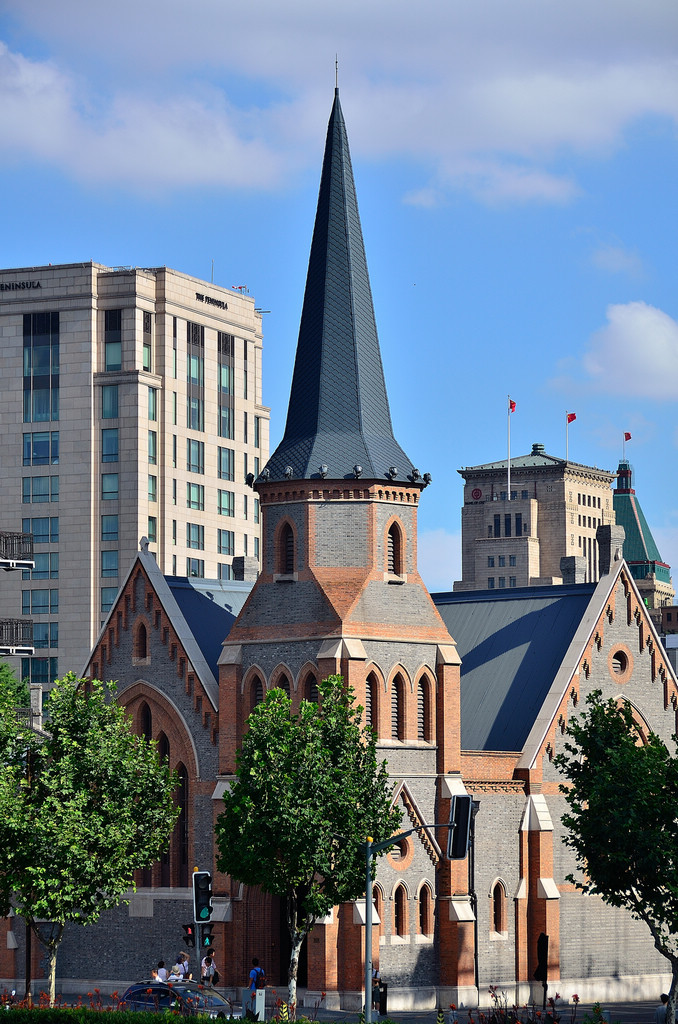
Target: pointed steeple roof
640, 550
338, 415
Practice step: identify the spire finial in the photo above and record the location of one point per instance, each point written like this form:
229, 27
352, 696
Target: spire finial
336, 71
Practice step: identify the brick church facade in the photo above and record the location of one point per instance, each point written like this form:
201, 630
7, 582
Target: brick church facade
467, 692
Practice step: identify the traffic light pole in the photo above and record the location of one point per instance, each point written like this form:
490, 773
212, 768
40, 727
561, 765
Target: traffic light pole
371, 848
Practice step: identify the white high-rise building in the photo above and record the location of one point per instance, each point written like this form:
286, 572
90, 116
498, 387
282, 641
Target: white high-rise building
131, 406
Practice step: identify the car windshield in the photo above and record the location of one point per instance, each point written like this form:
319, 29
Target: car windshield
201, 998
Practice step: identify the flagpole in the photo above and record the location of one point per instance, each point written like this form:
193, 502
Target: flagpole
567, 436
508, 460
624, 446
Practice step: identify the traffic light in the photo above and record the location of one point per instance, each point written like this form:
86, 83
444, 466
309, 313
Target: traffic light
541, 970
202, 896
460, 825
189, 935
207, 941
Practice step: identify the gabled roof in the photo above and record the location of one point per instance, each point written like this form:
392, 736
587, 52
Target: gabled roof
201, 613
511, 643
338, 415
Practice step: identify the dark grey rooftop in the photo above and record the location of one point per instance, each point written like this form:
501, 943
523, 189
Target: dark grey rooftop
511, 645
210, 608
338, 415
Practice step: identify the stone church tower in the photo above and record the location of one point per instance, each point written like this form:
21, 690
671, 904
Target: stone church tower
339, 592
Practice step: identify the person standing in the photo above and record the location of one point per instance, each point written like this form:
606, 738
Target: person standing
162, 971
184, 965
660, 1012
257, 976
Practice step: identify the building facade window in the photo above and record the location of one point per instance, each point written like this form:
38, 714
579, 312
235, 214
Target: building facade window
39, 489
152, 403
45, 634
424, 711
109, 444
41, 448
225, 572
152, 487
109, 486
400, 923
113, 339
225, 503
226, 464
195, 376
490, 561
109, 563
39, 602
109, 402
394, 548
195, 496
46, 566
40, 671
286, 553
257, 431
152, 447
425, 911
45, 529
108, 595
195, 455
195, 536
225, 542
109, 527
147, 341
41, 367
490, 582
195, 567
152, 529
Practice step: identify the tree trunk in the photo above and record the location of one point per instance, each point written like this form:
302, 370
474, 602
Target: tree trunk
297, 942
51, 941
671, 1006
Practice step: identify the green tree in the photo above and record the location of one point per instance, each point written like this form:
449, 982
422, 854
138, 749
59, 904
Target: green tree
18, 687
622, 792
82, 806
301, 782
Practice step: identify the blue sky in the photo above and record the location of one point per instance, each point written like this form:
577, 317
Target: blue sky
517, 175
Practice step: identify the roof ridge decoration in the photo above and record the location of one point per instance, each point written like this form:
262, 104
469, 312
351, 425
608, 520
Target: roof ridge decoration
338, 420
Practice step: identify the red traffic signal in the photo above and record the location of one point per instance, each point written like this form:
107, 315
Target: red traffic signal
189, 935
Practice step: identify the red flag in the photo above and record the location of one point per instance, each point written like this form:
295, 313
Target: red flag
571, 416
512, 405
627, 436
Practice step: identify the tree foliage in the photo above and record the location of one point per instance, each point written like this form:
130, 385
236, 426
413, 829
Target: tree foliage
82, 806
307, 793
622, 793
18, 687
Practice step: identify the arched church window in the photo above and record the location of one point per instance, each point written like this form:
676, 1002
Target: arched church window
400, 922
424, 710
286, 550
372, 702
256, 692
182, 826
498, 908
398, 709
425, 911
394, 550
311, 688
141, 641
284, 684
146, 721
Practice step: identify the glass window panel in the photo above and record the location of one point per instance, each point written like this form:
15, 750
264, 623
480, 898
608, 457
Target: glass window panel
152, 529
109, 527
109, 563
109, 486
109, 401
109, 444
152, 447
108, 595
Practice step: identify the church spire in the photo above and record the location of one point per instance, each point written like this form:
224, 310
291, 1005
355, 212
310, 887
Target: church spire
338, 416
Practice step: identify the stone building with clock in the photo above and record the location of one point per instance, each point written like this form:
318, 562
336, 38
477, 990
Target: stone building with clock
552, 512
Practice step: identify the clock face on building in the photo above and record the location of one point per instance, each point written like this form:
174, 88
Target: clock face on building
476, 494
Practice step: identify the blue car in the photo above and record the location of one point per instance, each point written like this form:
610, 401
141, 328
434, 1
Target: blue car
185, 997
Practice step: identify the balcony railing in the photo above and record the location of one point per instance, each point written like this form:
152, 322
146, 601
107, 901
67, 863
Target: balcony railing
16, 637
16, 550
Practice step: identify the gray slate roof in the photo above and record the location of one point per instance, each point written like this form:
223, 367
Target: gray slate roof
210, 607
338, 414
511, 645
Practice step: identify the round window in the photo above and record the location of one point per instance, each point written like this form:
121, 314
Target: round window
620, 663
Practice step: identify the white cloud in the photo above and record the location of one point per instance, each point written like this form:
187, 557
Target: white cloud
615, 259
635, 353
485, 98
439, 559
